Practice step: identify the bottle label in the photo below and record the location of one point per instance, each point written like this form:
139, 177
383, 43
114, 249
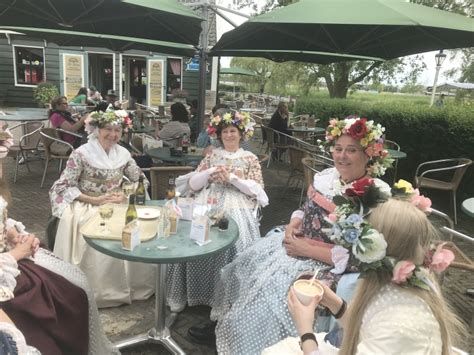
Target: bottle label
140, 200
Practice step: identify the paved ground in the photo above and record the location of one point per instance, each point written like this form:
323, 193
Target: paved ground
31, 205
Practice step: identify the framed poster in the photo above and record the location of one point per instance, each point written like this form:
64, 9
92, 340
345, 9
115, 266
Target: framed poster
73, 74
156, 82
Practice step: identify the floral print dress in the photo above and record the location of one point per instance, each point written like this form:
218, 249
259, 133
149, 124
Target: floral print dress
114, 281
194, 283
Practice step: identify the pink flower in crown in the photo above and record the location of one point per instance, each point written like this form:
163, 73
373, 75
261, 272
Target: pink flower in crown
442, 258
420, 201
402, 271
333, 122
374, 150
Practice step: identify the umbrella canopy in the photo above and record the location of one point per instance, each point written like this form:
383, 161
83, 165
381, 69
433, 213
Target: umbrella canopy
374, 28
85, 39
165, 20
237, 71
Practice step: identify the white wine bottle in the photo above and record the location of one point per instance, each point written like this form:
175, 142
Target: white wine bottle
140, 192
131, 210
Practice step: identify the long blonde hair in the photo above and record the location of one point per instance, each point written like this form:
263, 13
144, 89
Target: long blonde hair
408, 233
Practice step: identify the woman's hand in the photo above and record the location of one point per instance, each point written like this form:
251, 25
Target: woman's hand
25, 248
330, 299
220, 176
115, 197
295, 246
13, 236
303, 316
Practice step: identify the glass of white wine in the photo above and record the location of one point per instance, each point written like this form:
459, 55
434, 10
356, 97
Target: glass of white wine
128, 188
106, 211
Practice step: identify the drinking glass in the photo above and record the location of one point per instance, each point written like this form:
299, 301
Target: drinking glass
128, 188
106, 211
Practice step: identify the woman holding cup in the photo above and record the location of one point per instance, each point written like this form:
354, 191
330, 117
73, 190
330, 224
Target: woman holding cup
92, 178
253, 287
398, 307
232, 178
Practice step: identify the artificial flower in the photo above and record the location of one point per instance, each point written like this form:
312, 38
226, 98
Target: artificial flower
402, 271
358, 187
358, 130
420, 201
371, 247
404, 185
442, 258
351, 235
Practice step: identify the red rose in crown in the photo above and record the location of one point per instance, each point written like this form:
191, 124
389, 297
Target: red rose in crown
358, 187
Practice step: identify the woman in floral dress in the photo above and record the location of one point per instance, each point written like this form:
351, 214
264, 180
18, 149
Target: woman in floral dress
231, 178
92, 177
250, 302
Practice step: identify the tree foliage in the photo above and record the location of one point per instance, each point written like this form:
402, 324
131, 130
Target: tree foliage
341, 77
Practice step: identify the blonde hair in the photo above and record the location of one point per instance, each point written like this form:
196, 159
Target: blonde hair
408, 233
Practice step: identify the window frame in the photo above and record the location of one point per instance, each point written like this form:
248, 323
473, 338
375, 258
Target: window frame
15, 65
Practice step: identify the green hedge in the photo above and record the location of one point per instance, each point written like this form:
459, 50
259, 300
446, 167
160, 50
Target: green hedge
423, 133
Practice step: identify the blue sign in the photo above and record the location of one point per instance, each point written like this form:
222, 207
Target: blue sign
193, 64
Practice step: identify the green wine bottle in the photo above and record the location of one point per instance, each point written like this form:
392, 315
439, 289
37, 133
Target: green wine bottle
140, 192
131, 210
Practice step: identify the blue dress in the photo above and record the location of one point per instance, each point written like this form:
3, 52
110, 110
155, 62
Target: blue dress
251, 300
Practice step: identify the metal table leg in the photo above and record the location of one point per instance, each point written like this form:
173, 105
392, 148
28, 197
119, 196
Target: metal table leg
160, 333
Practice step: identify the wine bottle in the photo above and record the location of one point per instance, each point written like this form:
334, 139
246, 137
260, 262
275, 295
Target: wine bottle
171, 190
131, 210
140, 192
185, 143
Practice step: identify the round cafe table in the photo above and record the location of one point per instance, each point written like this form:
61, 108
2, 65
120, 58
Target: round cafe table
178, 248
307, 130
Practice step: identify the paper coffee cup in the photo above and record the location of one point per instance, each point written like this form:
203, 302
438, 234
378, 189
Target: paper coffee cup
305, 291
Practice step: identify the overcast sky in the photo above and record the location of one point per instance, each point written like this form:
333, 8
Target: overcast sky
426, 78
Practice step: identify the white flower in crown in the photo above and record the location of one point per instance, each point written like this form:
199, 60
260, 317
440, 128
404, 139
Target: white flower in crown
371, 247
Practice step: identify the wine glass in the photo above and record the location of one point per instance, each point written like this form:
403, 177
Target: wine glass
128, 188
106, 211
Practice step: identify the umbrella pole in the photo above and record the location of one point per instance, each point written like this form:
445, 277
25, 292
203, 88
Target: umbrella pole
203, 67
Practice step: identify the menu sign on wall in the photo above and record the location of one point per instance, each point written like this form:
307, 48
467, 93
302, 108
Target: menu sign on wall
73, 74
156, 82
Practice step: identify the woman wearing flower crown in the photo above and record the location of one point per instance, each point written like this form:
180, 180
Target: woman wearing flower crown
253, 288
398, 307
230, 180
92, 177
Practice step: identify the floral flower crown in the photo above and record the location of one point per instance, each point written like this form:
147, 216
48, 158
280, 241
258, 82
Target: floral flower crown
241, 120
355, 238
99, 119
370, 137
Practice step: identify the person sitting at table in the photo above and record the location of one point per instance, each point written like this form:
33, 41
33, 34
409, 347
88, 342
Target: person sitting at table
94, 95
193, 120
398, 307
60, 117
109, 103
173, 131
279, 122
48, 300
231, 179
80, 98
92, 177
253, 288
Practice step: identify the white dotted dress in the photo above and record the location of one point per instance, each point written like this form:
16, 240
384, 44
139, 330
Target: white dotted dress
194, 283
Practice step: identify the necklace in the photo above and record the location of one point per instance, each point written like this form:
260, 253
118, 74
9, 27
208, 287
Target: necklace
350, 182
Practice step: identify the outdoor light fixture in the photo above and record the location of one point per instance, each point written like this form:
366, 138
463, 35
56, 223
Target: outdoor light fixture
439, 57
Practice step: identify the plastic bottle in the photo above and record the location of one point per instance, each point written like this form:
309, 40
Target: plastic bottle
140, 192
131, 210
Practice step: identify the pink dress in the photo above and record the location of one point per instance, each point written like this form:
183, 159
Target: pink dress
57, 120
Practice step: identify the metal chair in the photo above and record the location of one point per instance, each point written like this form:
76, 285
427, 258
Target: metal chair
262, 158
160, 175
456, 166
28, 147
314, 164
296, 156
54, 148
394, 146
272, 144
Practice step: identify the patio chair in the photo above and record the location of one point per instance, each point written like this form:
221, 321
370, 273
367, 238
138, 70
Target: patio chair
394, 146
314, 164
272, 144
160, 175
262, 158
457, 167
296, 156
28, 147
54, 149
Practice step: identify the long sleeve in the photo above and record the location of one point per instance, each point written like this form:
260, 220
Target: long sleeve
250, 188
133, 172
65, 190
8, 273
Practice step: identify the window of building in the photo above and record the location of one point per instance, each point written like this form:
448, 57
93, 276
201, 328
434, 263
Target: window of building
29, 65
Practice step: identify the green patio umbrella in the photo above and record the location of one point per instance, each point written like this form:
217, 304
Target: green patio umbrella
237, 71
117, 43
385, 29
164, 20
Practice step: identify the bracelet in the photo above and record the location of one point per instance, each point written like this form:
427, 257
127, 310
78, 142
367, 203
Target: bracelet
308, 336
342, 310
